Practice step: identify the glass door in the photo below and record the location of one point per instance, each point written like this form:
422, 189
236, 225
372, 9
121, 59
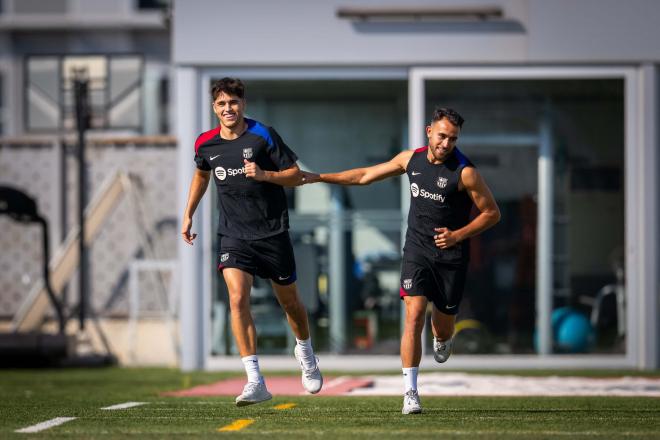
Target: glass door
346, 240
551, 144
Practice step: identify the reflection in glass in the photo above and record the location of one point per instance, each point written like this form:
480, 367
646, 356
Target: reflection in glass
586, 117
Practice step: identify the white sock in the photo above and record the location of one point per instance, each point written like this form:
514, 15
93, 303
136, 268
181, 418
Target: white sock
251, 364
410, 378
306, 353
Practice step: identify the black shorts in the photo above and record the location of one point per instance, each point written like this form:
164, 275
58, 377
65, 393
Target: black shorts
271, 258
439, 281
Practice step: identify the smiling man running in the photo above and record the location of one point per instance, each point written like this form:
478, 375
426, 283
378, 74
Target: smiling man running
444, 185
250, 164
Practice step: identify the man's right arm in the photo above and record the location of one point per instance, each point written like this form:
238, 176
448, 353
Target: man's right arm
364, 176
198, 185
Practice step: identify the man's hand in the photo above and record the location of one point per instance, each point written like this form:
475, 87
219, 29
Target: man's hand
188, 237
253, 171
308, 177
444, 238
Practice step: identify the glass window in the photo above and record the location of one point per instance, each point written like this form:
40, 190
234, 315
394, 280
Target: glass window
42, 94
587, 132
3, 115
333, 125
114, 91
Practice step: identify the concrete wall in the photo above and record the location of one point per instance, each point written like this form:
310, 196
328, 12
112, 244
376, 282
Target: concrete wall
141, 226
303, 32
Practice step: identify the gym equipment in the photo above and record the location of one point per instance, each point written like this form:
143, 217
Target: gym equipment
19, 349
572, 331
31, 313
26, 344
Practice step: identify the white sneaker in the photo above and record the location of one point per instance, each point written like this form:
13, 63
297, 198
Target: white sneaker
442, 349
253, 392
312, 380
411, 403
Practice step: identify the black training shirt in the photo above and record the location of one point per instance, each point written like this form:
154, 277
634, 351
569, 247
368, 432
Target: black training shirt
248, 209
436, 202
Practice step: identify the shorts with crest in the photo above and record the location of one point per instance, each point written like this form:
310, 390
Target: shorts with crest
270, 258
441, 282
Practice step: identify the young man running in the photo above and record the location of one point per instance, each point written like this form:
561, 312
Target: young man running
250, 163
444, 185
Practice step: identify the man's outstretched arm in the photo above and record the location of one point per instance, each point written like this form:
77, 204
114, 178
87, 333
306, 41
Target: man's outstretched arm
198, 185
363, 176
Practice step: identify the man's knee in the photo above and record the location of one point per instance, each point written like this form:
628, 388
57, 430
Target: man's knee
415, 323
415, 316
239, 301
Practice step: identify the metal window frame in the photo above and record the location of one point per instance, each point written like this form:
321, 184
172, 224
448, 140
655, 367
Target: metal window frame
60, 57
633, 191
193, 116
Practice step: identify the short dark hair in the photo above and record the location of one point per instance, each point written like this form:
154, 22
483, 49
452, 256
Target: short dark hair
230, 86
449, 113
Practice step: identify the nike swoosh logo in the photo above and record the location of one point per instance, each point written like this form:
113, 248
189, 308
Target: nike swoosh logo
451, 307
282, 278
415, 174
213, 157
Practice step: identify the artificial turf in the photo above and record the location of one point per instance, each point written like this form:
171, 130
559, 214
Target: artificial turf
33, 396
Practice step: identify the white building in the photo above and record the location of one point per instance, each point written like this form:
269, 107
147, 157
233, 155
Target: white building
561, 103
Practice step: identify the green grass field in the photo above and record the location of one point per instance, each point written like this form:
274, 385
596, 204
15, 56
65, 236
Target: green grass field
33, 396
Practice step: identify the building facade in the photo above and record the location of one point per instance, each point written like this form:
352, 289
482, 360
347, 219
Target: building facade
561, 104
123, 49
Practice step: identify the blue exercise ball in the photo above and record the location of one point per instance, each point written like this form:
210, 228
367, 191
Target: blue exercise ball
573, 333
557, 317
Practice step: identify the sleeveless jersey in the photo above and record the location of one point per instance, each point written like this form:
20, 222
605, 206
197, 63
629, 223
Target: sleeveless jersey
249, 209
436, 202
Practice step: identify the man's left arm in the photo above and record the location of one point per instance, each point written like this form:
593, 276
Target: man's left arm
489, 212
291, 176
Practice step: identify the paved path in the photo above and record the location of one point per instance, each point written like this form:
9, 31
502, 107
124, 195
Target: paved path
446, 384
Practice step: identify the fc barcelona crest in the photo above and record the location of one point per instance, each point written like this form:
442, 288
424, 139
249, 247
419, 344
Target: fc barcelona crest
247, 153
442, 182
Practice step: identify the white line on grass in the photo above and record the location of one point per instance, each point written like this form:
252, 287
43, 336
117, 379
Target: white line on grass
124, 405
45, 425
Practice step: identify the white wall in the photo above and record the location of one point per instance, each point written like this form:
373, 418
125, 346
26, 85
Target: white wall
308, 32
594, 30
298, 34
